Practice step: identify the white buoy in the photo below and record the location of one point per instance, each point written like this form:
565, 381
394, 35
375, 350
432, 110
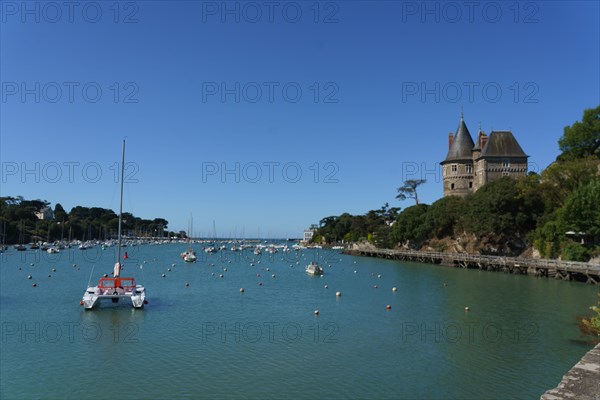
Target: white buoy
29, 277
326, 286
394, 289
242, 290
163, 275
316, 312
220, 276
338, 294
169, 269
273, 276
466, 308
379, 276
53, 269
355, 271
172, 265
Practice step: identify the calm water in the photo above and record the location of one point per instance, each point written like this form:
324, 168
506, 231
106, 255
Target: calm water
210, 341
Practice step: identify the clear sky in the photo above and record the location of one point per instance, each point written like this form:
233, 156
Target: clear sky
268, 116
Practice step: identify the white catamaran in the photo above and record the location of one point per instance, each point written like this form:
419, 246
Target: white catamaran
116, 288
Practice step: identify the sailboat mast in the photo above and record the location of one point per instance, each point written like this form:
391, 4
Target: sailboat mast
121, 204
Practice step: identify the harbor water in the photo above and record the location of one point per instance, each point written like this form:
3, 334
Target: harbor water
200, 336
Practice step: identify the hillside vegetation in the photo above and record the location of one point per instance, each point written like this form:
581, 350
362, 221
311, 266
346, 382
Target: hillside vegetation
553, 214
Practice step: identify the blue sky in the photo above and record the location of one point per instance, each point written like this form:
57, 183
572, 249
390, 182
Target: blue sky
266, 118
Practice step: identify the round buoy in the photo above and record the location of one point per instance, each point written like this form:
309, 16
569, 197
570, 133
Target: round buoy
268, 269
53, 269
338, 294
187, 284
163, 275
49, 276
225, 269
466, 308
394, 289
19, 268
259, 283
74, 265
445, 284
388, 307
316, 312
145, 301
220, 276
378, 276
273, 276
354, 271
105, 276
29, 277
172, 265
32, 264
375, 286
326, 286
242, 290
258, 275
169, 269
34, 285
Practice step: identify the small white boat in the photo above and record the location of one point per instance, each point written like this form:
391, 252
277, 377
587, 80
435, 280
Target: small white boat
115, 289
314, 269
189, 256
52, 250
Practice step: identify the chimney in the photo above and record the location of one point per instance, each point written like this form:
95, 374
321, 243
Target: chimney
484, 140
450, 140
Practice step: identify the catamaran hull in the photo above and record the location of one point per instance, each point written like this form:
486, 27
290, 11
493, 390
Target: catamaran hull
91, 300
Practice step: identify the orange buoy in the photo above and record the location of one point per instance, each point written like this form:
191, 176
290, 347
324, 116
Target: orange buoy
81, 302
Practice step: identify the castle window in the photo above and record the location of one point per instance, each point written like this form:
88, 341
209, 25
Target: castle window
454, 169
469, 169
470, 185
452, 186
505, 163
505, 173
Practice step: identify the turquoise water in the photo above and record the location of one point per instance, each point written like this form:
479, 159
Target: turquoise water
209, 340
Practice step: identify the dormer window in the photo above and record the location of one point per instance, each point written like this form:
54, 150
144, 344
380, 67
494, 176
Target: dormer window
505, 164
469, 169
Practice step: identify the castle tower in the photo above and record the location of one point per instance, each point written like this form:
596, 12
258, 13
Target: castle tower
457, 168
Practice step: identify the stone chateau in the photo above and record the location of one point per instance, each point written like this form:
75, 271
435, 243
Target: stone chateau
470, 165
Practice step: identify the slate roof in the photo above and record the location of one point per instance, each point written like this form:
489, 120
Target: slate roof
502, 144
462, 145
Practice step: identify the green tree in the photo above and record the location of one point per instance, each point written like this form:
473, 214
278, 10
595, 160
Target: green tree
582, 139
409, 190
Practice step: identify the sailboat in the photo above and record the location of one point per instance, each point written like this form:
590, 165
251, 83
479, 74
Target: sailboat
116, 288
189, 255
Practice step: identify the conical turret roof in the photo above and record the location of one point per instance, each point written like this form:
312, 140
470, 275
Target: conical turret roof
462, 144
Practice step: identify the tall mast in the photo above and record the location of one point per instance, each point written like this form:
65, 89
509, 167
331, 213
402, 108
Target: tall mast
121, 203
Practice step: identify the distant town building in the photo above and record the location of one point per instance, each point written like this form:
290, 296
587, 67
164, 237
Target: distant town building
470, 165
45, 214
308, 235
